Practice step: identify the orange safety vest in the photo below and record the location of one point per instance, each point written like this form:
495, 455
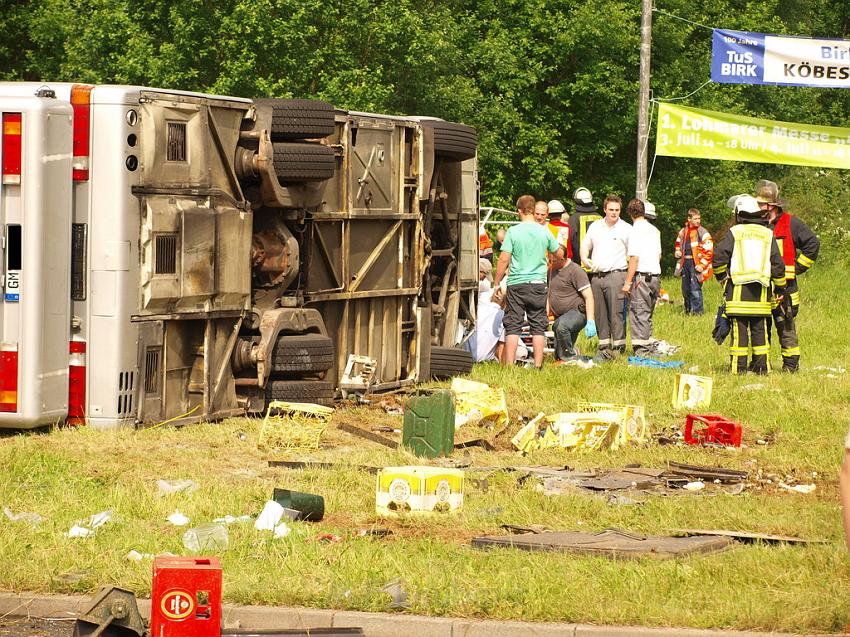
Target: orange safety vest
484, 241
701, 256
561, 232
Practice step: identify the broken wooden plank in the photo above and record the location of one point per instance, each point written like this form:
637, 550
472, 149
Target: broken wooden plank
477, 442
744, 536
706, 473
368, 435
309, 464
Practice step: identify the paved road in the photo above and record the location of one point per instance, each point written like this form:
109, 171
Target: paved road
39, 607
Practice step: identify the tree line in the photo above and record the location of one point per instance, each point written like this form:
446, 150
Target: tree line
551, 85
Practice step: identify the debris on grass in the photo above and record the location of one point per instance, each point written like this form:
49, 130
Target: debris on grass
643, 480
663, 348
690, 391
232, 519
798, 488
368, 435
747, 537
74, 577
269, 517
689, 473
832, 370
167, 487
178, 519
643, 361
33, 519
612, 543
135, 556
379, 532
479, 404
305, 506
206, 538
398, 595
86, 528
595, 426
293, 425
622, 500
418, 490
391, 406
309, 464
711, 429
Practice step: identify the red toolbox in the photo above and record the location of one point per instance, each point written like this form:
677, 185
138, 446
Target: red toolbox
186, 597
703, 429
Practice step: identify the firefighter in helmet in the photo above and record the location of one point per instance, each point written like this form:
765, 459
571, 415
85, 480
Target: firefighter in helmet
799, 247
559, 222
746, 262
585, 214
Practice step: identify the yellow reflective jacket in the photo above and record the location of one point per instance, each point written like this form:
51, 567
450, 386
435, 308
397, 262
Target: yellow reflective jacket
750, 261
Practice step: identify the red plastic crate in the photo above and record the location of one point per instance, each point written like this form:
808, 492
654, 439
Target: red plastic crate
186, 597
712, 429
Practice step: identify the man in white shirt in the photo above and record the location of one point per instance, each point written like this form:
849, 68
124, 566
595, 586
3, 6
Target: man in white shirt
604, 252
643, 279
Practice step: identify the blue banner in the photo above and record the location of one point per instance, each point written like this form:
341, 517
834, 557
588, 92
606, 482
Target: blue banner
742, 57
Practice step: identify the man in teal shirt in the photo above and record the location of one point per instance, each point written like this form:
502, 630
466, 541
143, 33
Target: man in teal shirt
525, 251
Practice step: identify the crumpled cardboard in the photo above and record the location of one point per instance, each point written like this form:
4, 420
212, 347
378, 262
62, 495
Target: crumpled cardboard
478, 404
596, 426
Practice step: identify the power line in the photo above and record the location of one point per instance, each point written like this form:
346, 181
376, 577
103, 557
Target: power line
676, 17
684, 97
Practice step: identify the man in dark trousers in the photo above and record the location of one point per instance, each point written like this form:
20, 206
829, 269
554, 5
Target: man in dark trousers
746, 262
799, 247
604, 251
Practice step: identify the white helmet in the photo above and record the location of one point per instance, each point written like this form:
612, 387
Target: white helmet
649, 210
747, 206
583, 200
556, 207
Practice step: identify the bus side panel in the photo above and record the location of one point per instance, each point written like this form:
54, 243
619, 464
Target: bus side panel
113, 247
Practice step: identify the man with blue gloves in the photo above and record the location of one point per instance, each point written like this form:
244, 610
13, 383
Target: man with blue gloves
571, 301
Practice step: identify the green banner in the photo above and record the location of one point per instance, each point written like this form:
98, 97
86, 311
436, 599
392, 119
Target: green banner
691, 132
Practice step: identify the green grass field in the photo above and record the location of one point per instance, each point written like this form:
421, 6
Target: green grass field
66, 475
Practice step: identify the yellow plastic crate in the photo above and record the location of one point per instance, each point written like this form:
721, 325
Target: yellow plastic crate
418, 490
294, 425
633, 426
692, 392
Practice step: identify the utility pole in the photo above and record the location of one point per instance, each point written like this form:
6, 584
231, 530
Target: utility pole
643, 99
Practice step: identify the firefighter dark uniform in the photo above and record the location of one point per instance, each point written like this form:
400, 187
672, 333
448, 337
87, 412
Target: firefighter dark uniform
799, 247
580, 221
746, 261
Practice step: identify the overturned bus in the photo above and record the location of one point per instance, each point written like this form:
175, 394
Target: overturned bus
170, 255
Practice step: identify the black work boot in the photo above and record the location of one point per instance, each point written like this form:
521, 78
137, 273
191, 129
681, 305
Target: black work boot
791, 364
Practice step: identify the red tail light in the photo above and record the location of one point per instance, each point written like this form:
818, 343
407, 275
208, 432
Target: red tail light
9, 378
11, 148
77, 384
81, 103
